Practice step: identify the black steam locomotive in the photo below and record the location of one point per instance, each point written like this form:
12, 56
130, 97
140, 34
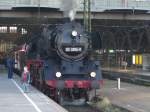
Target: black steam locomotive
61, 61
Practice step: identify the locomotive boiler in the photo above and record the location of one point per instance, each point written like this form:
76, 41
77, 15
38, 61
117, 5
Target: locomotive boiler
60, 59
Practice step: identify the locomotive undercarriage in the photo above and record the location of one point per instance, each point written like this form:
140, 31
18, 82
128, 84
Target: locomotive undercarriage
71, 96
67, 96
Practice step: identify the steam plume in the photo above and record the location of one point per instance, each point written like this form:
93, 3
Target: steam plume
70, 7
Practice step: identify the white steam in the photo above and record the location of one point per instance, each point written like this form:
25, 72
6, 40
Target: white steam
69, 8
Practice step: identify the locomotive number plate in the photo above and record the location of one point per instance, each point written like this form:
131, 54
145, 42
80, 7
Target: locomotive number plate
73, 49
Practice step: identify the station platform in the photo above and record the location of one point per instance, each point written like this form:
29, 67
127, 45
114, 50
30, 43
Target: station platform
128, 71
130, 96
13, 99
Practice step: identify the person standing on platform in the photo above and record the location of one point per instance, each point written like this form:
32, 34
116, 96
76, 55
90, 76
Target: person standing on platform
25, 79
10, 65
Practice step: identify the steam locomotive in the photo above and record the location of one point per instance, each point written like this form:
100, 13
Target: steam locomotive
60, 59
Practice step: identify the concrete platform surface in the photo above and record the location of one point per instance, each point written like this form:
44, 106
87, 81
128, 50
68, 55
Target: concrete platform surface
12, 98
130, 96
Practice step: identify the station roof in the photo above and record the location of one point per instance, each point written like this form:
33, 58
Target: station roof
96, 5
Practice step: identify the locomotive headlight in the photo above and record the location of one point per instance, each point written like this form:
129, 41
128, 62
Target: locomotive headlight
74, 33
93, 74
58, 74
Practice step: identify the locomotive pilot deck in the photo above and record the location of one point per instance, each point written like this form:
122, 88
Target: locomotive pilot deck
14, 100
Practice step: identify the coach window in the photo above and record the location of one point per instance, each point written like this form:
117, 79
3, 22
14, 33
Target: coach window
13, 29
3, 29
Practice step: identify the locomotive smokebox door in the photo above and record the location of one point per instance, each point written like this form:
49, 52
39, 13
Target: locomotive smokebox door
96, 41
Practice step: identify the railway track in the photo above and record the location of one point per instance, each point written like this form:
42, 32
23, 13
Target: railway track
126, 77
